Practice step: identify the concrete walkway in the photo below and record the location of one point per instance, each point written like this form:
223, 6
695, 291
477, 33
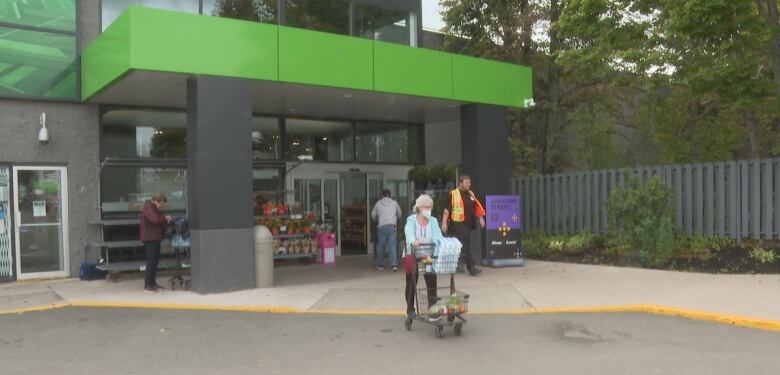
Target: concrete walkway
354, 286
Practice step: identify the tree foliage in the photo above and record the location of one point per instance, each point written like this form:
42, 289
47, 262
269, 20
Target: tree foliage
633, 82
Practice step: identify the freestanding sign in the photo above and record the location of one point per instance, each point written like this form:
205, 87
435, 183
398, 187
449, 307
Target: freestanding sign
503, 224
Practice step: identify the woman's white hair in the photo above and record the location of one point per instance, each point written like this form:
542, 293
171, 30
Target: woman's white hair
423, 199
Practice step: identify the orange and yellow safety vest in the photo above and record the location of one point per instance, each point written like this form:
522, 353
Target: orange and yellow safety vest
458, 214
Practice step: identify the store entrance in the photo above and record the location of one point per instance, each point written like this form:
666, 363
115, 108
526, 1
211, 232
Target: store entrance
358, 193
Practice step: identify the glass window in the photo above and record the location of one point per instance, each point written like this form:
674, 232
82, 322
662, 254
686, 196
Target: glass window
125, 189
308, 195
113, 8
381, 24
265, 138
144, 134
330, 16
251, 10
56, 15
266, 187
388, 143
34, 63
319, 140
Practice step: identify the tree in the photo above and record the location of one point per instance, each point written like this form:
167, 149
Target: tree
633, 82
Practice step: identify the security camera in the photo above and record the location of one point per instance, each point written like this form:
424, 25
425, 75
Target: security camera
529, 103
43, 133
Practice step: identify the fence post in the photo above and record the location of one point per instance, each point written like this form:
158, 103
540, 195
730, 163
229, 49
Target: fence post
720, 199
767, 199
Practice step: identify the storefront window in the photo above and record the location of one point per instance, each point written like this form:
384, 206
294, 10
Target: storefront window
319, 140
111, 9
308, 195
381, 24
125, 189
144, 134
56, 15
251, 10
267, 187
36, 63
330, 16
388, 143
265, 138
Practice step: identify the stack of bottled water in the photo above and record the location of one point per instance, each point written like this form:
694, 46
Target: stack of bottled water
446, 255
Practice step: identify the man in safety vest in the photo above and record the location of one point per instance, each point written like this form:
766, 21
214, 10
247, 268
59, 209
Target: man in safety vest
460, 217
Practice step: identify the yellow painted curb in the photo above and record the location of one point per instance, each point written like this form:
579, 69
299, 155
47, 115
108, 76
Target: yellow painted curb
735, 320
34, 308
173, 306
356, 312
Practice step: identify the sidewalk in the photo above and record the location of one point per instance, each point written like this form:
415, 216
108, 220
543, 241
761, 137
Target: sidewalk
353, 285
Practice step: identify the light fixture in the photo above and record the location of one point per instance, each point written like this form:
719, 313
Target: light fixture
529, 103
43, 133
324, 138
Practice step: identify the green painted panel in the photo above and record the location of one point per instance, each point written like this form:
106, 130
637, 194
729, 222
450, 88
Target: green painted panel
107, 58
50, 14
179, 42
323, 59
417, 71
490, 82
158, 40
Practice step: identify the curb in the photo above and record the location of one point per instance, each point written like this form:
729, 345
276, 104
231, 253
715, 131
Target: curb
734, 320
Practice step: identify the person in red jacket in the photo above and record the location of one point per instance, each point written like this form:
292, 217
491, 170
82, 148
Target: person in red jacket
152, 232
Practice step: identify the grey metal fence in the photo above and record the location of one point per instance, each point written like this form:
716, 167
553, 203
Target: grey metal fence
740, 199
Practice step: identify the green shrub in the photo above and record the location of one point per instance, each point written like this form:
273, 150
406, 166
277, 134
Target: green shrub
581, 241
556, 244
761, 255
534, 243
642, 216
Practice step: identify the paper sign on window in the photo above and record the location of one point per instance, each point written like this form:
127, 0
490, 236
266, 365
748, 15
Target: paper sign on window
39, 208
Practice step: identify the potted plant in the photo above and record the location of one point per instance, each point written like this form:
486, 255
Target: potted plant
274, 227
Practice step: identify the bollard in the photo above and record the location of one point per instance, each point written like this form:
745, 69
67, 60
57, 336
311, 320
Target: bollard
264, 257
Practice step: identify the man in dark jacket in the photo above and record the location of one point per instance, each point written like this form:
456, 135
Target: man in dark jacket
152, 232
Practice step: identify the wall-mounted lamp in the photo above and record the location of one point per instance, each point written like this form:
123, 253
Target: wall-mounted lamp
43, 133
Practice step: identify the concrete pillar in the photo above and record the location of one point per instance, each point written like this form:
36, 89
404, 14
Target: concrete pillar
485, 154
219, 183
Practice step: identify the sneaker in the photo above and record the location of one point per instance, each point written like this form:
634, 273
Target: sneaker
380, 268
158, 286
395, 269
475, 271
150, 290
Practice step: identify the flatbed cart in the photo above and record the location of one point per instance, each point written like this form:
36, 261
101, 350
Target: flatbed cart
440, 307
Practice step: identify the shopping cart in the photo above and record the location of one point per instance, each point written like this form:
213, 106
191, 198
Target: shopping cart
440, 307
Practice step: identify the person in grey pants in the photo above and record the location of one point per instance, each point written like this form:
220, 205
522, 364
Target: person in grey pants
386, 212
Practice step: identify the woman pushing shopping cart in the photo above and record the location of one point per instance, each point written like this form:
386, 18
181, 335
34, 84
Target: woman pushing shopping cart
430, 254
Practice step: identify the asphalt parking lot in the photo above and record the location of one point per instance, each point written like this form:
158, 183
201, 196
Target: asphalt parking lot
145, 341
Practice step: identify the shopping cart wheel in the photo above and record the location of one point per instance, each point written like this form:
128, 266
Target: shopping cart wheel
438, 332
458, 329
408, 323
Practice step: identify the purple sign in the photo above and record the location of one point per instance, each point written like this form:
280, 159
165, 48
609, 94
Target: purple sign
503, 212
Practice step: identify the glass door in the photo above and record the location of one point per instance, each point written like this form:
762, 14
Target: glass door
374, 194
354, 214
6, 260
40, 199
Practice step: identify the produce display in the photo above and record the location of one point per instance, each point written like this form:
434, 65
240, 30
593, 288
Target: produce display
298, 246
449, 305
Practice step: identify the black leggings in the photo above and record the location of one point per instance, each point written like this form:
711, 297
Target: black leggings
411, 281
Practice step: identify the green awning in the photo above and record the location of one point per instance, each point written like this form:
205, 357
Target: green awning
160, 41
